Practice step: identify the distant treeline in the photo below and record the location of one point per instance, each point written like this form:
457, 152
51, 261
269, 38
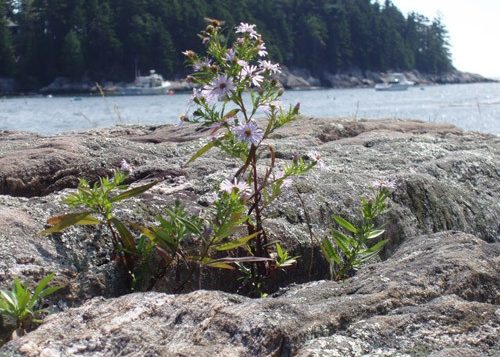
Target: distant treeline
108, 39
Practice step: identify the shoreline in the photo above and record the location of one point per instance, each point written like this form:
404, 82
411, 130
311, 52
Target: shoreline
291, 79
72, 94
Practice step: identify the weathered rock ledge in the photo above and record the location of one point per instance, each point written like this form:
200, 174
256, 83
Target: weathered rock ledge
436, 291
438, 295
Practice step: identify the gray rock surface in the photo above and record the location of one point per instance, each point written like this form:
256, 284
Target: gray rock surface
447, 179
438, 295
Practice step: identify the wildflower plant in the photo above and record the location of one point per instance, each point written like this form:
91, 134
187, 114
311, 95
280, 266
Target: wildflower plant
235, 83
350, 246
23, 306
98, 202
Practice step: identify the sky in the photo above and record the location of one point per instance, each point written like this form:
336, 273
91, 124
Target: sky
473, 27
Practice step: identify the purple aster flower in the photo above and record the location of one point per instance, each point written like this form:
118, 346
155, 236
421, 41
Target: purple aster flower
285, 181
220, 87
271, 67
230, 55
262, 49
249, 132
125, 167
202, 64
252, 73
235, 185
384, 183
271, 107
247, 28
316, 157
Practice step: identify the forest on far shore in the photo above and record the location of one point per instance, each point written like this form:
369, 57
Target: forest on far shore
107, 39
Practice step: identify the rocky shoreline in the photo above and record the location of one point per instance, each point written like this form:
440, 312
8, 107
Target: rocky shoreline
435, 293
293, 78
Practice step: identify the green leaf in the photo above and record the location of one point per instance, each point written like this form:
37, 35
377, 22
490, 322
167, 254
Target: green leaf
126, 237
236, 243
220, 265
59, 223
375, 233
377, 247
245, 260
329, 251
345, 224
186, 222
202, 151
134, 192
230, 114
50, 290
22, 294
9, 298
279, 250
343, 242
43, 284
41, 291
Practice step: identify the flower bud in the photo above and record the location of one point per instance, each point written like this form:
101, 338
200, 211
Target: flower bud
189, 54
216, 23
210, 30
296, 109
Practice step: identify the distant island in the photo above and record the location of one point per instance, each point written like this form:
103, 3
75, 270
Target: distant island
332, 43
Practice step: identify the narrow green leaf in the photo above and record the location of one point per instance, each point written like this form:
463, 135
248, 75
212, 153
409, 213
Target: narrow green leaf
50, 290
377, 247
236, 243
279, 250
375, 233
220, 265
345, 224
343, 242
22, 295
59, 223
8, 298
202, 151
245, 260
134, 192
43, 283
230, 114
40, 288
186, 222
329, 251
126, 237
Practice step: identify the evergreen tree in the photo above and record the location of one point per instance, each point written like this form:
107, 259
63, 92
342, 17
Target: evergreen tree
6, 48
72, 57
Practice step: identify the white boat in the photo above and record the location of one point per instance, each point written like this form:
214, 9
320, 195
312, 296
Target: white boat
147, 85
397, 82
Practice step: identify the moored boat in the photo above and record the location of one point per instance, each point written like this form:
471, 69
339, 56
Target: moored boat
397, 82
147, 85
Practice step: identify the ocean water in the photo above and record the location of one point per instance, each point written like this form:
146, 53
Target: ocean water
468, 106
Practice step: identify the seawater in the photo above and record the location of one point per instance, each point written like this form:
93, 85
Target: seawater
468, 106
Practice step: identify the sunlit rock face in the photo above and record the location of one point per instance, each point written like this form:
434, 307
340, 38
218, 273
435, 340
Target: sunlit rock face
446, 180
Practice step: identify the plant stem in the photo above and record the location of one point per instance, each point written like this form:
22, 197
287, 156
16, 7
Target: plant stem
127, 259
